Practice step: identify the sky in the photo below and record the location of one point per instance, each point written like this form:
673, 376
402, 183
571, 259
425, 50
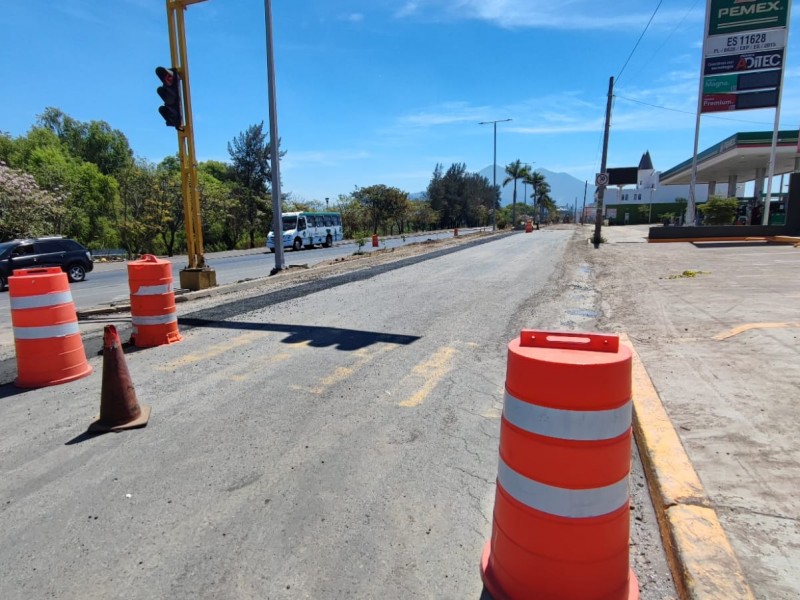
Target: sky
380, 91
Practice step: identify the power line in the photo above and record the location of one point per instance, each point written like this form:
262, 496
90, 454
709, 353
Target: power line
646, 27
671, 33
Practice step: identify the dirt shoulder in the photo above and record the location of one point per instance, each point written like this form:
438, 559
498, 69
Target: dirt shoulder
717, 328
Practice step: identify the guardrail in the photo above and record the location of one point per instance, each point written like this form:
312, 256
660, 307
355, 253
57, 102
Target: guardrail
109, 254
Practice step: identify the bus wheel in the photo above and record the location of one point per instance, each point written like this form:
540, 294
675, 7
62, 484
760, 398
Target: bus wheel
297, 245
328, 241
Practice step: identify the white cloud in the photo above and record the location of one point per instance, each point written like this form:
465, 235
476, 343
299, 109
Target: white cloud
353, 17
303, 158
566, 14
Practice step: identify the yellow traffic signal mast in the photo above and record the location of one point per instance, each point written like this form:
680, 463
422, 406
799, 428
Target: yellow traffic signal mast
197, 275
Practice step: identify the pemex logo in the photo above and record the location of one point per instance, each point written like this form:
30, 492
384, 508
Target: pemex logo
729, 16
750, 8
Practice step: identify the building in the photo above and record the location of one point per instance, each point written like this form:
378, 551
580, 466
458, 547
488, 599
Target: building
648, 201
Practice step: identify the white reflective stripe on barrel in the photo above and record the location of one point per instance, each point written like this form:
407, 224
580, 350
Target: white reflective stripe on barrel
583, 425
43, 333
41, 300
160, 320
153, 290
562, 502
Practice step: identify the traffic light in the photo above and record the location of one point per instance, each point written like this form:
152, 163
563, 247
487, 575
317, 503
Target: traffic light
170, 92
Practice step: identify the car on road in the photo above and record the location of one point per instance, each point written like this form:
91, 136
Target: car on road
73, 258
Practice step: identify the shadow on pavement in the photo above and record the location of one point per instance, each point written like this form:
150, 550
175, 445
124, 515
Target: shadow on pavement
317, 337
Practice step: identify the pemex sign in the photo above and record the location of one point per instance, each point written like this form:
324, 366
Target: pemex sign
730, 16
743, 54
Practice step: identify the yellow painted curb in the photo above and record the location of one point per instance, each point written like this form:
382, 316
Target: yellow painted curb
706, 562
704, 566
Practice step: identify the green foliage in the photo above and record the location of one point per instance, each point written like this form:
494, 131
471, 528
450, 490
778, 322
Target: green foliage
360, 239
80, 179
95, 142
515, 171
460, 199
382, 204
719, 211
252, 176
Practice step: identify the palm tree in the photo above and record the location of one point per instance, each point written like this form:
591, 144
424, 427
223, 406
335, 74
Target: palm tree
534, 179
515, 170
542, 192
539, 186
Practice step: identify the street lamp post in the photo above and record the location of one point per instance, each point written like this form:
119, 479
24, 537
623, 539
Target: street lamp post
494, 170
275, 159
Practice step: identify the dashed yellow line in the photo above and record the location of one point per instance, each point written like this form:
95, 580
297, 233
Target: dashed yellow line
433, 370
215, 350
742, 328
339, 374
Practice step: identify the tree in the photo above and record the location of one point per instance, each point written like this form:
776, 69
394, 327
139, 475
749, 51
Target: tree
252, 174
168, 195
138, 221
720, 211
95, 142
25, 209
514, 171
381, 203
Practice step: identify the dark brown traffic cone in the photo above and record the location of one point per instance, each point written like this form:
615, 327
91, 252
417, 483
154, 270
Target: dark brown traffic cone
119, 408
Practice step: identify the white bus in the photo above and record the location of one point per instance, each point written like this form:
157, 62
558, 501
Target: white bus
304, 229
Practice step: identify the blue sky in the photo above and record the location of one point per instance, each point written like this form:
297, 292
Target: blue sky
379, 91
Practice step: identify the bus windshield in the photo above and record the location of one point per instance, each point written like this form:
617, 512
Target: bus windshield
289, 222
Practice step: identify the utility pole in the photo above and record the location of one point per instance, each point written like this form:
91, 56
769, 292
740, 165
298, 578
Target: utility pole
585, 188
197, 275
275, 159
494, 168
601, 189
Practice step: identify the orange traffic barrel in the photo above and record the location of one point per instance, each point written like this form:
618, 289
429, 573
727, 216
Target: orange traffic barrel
153, 315
47, 339
561, 516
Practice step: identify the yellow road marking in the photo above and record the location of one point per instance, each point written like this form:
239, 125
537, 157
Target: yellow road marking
365, 356
433, 369
742, 328
216, 350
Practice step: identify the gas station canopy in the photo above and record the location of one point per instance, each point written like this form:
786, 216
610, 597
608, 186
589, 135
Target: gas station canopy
738, 156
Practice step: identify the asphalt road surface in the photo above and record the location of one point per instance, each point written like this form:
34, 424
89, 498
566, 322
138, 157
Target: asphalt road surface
108, 282
332, 441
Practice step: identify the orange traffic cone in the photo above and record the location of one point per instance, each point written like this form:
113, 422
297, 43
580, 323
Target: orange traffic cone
119, 408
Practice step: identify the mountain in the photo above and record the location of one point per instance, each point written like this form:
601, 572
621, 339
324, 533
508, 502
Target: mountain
564, 188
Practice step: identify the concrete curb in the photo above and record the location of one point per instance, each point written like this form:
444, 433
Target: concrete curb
704, 565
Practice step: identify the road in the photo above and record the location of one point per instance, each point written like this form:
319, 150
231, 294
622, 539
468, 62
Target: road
108, 282
337, 443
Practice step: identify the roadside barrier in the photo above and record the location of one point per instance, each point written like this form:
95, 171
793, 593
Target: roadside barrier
47, 339
119, 407
561, 516
155, 321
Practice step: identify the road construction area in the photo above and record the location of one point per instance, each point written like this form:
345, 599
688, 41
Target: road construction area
334, 433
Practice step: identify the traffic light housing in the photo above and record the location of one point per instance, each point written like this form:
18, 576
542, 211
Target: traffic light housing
170, 92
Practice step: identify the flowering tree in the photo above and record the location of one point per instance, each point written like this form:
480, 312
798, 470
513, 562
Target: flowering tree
25, 209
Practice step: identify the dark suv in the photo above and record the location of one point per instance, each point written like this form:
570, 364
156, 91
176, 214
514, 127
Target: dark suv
74, 259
